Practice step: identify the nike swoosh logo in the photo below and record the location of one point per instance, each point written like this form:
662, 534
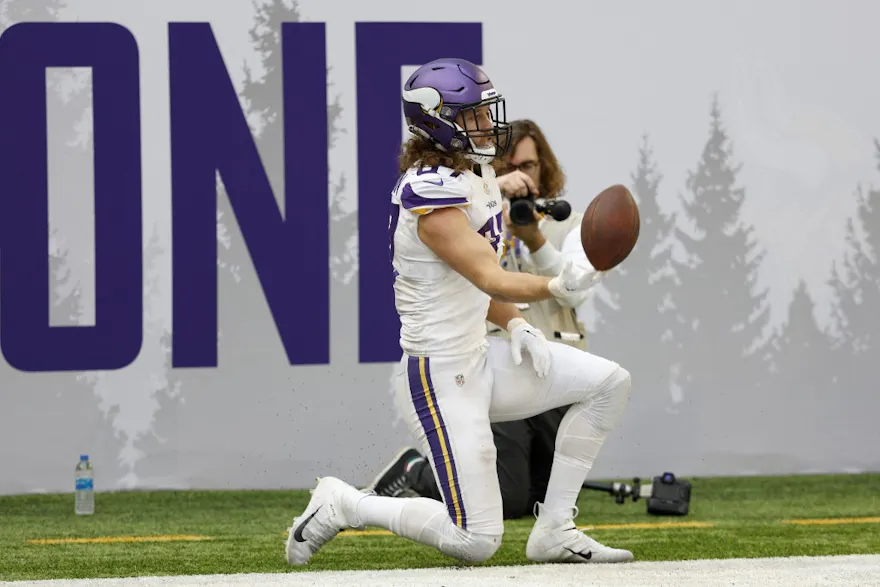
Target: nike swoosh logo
439, 182
298, 532
586, 556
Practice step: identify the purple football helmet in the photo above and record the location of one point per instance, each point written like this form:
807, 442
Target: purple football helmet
437, 92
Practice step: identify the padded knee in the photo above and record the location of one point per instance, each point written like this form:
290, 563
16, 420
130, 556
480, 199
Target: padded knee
612, 399
618, 383
587, 423
470, 547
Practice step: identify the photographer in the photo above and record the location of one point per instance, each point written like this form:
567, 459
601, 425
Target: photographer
529, 175
533, 243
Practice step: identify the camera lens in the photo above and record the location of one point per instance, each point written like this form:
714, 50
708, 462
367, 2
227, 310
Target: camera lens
522, 211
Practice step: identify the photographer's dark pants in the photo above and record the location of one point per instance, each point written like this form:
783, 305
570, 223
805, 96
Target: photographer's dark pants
525, 455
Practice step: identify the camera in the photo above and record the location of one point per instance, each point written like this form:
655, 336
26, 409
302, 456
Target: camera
522, 209
666, 495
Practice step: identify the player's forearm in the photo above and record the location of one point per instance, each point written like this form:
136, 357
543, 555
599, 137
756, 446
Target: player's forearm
507, 286
501, 313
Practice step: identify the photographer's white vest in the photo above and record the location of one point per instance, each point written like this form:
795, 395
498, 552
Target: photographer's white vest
557, 323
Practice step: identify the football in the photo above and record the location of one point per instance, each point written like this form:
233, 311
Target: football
610, 227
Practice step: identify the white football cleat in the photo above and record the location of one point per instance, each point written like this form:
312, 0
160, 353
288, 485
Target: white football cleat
332, 509
555, 539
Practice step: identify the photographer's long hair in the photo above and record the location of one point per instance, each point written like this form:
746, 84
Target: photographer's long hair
552, 176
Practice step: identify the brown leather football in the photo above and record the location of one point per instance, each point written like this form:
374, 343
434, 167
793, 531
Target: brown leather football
610, 227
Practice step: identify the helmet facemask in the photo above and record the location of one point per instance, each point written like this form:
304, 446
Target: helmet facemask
469, 135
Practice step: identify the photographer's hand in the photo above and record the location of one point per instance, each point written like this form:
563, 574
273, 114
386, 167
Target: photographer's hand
517, 184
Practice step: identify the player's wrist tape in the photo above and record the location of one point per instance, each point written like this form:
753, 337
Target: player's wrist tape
514, 322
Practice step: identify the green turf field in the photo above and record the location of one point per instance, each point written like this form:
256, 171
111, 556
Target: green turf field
244, 531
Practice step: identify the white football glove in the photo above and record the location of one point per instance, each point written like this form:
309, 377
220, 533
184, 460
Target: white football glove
571, 286
524, 335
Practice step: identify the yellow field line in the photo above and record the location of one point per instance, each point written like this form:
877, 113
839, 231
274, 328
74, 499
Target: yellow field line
114, 539
649, 526
366, 533
832, 521
633, 526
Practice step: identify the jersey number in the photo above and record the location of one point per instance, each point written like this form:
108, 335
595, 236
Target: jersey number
435, 169
491, 231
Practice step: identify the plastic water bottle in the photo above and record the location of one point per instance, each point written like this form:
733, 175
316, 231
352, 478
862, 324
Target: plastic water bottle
85, 487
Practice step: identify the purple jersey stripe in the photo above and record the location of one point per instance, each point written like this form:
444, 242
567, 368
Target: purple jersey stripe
425, 403
411, 200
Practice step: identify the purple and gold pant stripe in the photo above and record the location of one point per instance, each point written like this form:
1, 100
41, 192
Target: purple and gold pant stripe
425, 401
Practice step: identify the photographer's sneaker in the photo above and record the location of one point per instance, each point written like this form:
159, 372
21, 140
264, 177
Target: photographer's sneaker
332, 508
555, 539
394, 479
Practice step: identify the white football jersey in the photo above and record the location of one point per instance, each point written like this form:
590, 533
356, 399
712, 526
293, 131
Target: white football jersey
441, 312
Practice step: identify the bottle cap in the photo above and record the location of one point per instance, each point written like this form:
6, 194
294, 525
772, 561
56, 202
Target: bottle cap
83, 457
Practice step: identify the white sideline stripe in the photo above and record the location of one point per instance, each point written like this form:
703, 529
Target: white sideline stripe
793, 571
